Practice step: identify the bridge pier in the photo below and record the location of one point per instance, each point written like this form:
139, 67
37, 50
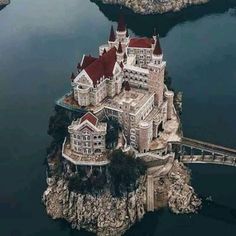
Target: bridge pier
191, 153
203, 155
213, 156
150, 193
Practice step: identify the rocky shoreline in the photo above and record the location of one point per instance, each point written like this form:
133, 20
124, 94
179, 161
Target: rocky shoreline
3, 3
105, 214
151, 7
102, 214
174, 190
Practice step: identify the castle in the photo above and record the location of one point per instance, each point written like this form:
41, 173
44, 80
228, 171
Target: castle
126, 82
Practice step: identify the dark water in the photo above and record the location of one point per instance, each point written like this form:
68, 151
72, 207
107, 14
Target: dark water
40, 43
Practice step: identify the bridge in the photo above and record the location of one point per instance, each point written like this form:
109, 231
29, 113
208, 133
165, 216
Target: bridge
195, 151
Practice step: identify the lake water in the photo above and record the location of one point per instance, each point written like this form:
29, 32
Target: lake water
40, 44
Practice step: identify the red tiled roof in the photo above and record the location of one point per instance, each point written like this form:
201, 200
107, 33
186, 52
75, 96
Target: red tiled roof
103, 66
140, 43
89, 117
112, 37
121, 24
157, 51
87, 61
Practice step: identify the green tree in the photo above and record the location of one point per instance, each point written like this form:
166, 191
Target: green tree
125, 170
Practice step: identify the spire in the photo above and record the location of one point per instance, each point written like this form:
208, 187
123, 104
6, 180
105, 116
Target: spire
78, 66
72, 76
154, 32
157, 50
127, 33
119, 48
112, 37
121, 24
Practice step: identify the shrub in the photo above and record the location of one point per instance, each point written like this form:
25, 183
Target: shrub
125, 170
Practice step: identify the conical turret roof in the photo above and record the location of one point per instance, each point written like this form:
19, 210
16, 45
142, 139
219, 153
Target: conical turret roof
121, 24
112, 37
157, 50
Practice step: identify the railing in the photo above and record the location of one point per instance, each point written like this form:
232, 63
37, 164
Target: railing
210, 153
205, 146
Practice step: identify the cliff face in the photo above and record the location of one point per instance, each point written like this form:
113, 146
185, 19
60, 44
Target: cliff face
102, 214
174, 190
155, 6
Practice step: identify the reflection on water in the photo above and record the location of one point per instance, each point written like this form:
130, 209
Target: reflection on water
143, 25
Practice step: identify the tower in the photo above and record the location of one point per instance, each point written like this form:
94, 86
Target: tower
121, 30
112, 38
156, 73
170, 101
119, 54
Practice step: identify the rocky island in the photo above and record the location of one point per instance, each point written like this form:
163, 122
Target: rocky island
113, 155
4, 3
154, 6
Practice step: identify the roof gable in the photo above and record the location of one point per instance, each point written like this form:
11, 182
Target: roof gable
103, 66
87, 60
90, 118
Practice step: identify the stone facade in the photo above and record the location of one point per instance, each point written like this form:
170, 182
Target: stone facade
86, 143
137, 63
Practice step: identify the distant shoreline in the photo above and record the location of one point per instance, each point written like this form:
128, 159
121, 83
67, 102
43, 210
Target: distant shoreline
4, 3
146, 7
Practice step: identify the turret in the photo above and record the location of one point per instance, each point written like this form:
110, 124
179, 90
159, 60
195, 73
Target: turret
156, 73
170, 100
112, 38
72, 77
121, 29
145, 136
120, 53
154, 36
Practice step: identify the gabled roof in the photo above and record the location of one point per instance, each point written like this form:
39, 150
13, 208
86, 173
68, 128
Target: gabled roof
89, 117
87, 60
140, 43
157, 50
103, 66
